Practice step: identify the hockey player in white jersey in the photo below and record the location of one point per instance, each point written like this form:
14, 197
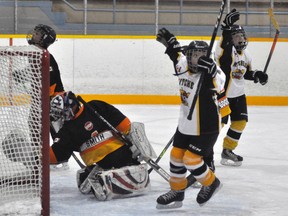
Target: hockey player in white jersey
195, 138
235, 61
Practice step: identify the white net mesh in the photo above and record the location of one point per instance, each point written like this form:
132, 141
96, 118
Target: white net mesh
20, 124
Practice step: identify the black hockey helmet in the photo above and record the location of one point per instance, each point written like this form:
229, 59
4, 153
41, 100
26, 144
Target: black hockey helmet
47, 36
65, 106
239, 43
193, 52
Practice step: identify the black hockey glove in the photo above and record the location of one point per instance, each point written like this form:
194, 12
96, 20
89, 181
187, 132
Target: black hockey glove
260, 76
207, 65
230, 19
166, 38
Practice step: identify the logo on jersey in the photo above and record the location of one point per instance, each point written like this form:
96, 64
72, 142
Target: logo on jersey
88, 126
94, 133
184, 96
238, 74
178, 68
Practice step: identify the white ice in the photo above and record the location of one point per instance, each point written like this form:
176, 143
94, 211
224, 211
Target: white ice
258, 187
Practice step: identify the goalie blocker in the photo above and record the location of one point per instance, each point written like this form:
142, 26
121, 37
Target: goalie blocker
141, 145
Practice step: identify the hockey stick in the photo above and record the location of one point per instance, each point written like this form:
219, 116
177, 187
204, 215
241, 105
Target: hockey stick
276, 26
162, 153
189, 117
78, 161
190, 178
126, 141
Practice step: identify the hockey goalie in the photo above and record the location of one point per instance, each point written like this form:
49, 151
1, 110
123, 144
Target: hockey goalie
113, 169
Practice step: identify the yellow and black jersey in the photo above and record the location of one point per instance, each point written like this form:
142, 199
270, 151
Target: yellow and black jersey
237, 66
89, 135
56, 85
206, 117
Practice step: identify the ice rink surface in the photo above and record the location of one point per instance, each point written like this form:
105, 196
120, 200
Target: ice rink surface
258, 188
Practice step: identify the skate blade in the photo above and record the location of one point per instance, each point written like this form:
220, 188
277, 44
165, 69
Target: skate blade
196, 185
216, 191
227, 162
59, 167
176, 204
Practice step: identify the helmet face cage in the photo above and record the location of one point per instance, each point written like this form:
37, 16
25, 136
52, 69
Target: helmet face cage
57, 107
195, 50
70, 102
239, 38
41, 35
63, 106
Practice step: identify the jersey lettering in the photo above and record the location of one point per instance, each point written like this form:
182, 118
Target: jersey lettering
186, 83
96, 140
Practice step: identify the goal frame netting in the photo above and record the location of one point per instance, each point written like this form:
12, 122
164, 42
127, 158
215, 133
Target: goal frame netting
29, 51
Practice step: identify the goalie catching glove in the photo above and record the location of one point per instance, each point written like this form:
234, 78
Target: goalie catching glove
230, 19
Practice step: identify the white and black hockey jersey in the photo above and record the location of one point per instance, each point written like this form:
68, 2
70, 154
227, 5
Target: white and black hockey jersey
205, 118
237, 66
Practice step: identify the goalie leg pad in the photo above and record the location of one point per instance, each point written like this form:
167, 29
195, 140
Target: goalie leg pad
82, 181
83, 176
119, 183
138, 137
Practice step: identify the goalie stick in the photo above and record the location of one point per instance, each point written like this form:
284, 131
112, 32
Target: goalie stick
189, 117
126, 141
78, 161
276, 26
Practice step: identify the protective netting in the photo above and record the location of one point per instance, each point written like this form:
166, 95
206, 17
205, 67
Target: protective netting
20, 124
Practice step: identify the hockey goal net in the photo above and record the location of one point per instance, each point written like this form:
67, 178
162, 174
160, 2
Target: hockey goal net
24, 131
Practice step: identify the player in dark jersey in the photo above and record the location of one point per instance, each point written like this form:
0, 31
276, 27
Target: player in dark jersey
43, 36
85, 133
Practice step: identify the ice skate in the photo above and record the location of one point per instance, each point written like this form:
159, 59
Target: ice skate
170, 200
207, 192
229, 158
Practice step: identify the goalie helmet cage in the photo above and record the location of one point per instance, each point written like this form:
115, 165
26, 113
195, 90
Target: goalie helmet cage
24, 131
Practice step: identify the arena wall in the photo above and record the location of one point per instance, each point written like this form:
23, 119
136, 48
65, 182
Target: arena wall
134, 69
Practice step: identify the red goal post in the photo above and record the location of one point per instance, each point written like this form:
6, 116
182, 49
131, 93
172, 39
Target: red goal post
24, 130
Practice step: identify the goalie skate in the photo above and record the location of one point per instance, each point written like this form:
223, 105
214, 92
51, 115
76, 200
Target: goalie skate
170, 200
229, 158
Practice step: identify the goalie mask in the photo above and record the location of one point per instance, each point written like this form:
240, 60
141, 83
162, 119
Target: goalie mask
239, 38
41, 35
64, 106
194, 51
